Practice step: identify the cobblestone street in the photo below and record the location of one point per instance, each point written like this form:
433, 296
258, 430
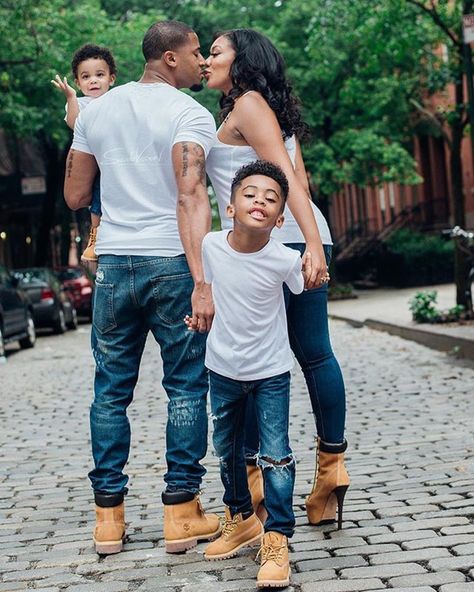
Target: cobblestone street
409, 513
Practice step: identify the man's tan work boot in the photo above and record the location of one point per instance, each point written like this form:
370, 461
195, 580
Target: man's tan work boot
89, 253
274, 569
239, 531
186, 523
109, 532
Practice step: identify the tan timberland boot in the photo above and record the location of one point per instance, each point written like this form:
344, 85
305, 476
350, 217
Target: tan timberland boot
274, 569
186, 523
255, 481
89, 253
330, 484
237, 533
109, 532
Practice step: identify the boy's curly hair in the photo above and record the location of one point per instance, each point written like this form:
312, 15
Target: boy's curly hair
261, 167
94, 52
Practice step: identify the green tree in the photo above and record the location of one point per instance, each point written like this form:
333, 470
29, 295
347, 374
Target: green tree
38, 40
445, 18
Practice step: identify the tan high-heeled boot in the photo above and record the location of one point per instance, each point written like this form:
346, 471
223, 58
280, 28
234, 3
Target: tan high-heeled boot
255, 481
331, 482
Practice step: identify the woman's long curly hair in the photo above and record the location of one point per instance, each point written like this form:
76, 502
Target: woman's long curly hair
259, 66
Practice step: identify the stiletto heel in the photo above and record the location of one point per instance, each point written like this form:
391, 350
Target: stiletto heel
331, 482
340, 494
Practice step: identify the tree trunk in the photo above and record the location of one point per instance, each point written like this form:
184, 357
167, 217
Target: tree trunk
461, 268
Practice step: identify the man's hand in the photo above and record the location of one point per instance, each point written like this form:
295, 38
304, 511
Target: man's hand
315, 270
64, 86
203, 309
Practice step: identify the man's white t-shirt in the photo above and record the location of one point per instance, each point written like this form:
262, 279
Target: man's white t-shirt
248, 339
131, 131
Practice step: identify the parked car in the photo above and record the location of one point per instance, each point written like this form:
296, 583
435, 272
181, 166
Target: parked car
80, 285
52, 305
16, 313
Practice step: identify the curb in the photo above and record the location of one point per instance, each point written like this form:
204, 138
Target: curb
447, 343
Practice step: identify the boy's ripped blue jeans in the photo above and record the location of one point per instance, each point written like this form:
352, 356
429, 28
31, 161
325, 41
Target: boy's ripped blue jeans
228, 403
134, 295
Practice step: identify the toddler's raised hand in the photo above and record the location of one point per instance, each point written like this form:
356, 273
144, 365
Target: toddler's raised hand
64, 86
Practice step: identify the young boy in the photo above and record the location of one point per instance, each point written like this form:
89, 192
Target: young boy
247, 353
93, 68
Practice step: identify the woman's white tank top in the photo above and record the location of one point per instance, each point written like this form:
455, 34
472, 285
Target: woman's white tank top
223, 162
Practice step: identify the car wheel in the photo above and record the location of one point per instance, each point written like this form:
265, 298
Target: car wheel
59, 326
2, 345
30, 339
73, 323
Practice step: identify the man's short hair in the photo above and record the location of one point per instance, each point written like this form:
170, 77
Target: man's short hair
93, 52
164, 36
260, 167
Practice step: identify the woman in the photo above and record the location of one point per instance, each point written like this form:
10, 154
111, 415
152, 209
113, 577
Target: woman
261, 119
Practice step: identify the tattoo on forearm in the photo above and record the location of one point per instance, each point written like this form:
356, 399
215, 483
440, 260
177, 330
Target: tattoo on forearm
69, 163
185, 159
200, 164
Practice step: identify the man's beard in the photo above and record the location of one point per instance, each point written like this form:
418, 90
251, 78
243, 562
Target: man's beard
196, 87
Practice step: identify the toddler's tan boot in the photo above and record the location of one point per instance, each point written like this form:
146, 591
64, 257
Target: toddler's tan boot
237, 532
89, 253
109, 532
275, 565
186, 523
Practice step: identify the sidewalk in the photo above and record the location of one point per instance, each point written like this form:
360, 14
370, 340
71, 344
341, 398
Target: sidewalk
387, 309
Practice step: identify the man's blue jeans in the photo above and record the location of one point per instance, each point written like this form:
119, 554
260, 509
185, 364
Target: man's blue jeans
134, 295
272, 398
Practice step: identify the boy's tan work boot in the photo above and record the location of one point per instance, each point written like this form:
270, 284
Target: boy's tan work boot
109, 532
274, 569
89, 253
255, 481
238, 532
186, 523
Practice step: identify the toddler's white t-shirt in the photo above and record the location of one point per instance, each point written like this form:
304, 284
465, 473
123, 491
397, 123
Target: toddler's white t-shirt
248, 339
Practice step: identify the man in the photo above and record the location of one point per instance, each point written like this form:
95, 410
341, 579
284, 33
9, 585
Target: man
150, 141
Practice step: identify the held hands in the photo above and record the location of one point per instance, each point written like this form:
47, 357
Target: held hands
315, 270
64, 86
203, 309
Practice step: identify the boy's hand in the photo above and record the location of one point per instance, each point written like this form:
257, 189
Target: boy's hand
63, 86
203, 308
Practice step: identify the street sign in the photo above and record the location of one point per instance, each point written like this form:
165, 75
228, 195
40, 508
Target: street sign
468, 27
33, 185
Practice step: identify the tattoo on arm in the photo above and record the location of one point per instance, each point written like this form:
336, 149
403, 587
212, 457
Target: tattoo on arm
200, 164
69, 163
185, 159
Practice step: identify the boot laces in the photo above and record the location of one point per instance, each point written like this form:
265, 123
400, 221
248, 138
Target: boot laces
228, 525
271, 553
92, 236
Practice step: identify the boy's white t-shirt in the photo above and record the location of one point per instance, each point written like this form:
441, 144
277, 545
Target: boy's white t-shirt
248, 339
131, 131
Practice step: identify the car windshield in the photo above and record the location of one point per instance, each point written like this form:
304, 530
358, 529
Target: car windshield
69, 274
31, 276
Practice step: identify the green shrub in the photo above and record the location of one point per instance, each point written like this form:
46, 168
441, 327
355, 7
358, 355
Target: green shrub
424, 310
415, 259
423, 307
